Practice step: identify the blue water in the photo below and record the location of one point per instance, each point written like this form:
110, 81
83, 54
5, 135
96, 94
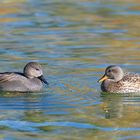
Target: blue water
74, 41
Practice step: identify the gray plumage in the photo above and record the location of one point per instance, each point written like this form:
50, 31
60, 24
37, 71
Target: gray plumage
30, 80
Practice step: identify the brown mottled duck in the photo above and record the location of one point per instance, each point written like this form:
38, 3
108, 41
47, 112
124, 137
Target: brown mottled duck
115, 80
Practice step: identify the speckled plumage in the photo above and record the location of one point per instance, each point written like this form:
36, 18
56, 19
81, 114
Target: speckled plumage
129, 83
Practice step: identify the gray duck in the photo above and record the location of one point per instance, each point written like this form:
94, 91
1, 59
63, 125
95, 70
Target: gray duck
29, 81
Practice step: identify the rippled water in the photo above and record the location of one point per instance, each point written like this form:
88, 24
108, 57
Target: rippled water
74, 41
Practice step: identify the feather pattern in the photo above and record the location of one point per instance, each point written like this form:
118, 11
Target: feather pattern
129, 82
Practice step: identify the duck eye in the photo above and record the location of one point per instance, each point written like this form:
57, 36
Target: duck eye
37, 69
109, 70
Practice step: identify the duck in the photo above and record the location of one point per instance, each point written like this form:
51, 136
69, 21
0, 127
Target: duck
30, 80
115, 80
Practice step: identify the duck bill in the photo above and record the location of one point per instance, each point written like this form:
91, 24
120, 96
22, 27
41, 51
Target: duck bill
103, 78
43, 80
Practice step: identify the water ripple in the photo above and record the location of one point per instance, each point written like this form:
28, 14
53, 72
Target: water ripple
31, 126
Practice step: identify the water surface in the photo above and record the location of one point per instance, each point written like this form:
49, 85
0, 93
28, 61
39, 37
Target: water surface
74, 41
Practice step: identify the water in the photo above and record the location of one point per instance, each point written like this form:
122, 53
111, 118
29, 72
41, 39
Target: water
74, 41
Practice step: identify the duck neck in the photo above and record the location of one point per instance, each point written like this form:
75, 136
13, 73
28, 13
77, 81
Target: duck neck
28, 76
119, 77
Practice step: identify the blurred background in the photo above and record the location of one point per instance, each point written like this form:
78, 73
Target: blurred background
74, 41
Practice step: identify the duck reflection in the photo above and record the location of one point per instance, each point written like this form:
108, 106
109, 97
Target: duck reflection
117, 106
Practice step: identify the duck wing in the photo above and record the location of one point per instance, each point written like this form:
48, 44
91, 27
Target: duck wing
7, 76
132, 78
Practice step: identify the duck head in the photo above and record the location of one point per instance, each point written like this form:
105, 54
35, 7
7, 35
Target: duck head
112, 72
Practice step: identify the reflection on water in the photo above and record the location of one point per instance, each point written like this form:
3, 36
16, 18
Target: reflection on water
74, 41
115, 106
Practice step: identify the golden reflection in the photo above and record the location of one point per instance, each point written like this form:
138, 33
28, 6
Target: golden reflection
119, 106
10, 7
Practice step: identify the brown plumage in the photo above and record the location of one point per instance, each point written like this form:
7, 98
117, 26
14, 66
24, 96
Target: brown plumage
116, 81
